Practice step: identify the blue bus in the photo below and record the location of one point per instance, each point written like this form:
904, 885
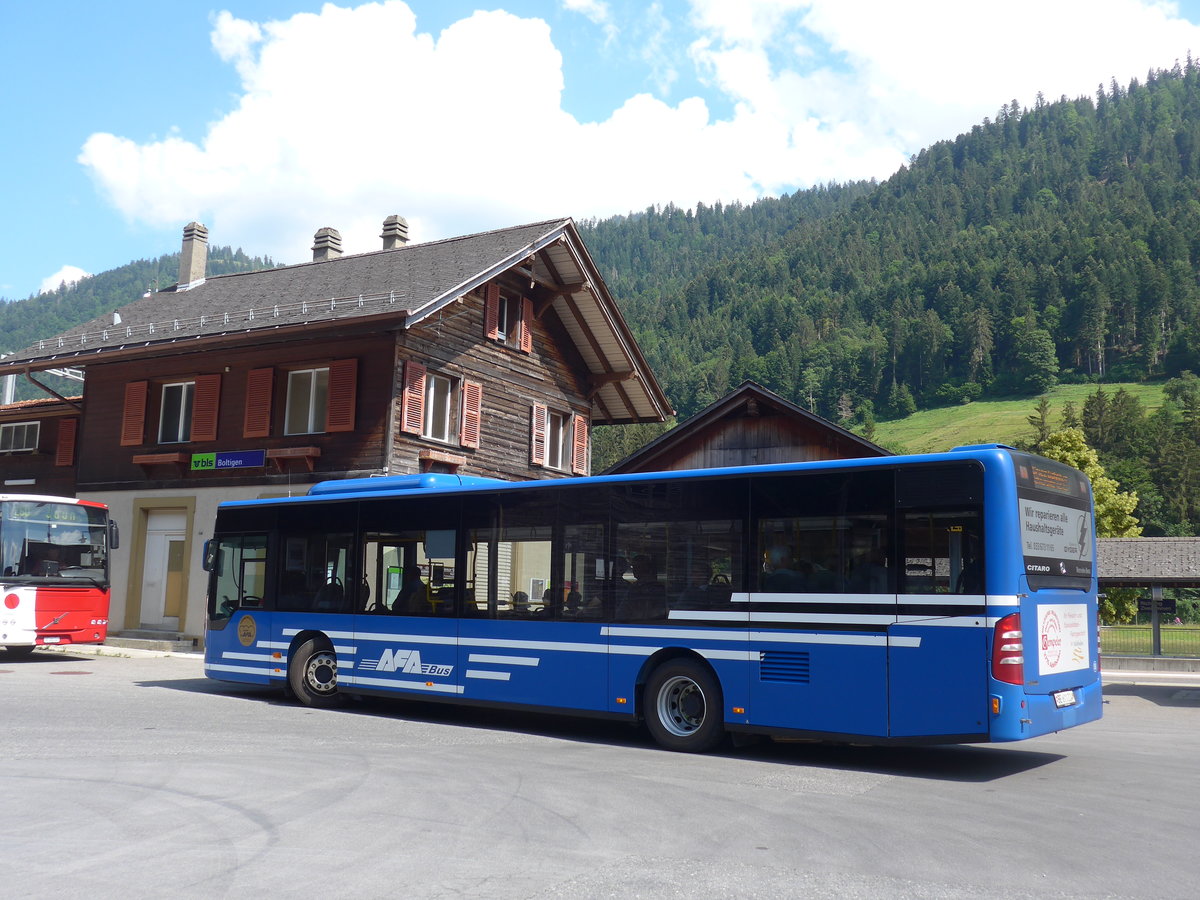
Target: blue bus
942, 598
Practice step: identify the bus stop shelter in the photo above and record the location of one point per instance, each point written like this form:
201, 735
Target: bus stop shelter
1150, 563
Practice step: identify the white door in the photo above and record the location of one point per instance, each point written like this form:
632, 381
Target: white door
162, 574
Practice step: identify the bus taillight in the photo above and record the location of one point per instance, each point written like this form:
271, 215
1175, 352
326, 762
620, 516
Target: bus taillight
1008, 651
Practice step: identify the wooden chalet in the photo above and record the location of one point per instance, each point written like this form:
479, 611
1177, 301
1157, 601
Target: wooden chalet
749, 426
492, 354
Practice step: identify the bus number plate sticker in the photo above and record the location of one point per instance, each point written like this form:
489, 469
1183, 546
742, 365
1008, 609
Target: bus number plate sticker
1063, 699
49, 640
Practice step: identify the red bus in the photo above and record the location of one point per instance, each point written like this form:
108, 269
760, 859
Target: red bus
54, 563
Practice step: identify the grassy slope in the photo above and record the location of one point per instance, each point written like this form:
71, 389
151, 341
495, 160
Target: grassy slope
993, 421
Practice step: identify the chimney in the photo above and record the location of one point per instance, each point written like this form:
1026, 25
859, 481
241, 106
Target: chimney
327, 244
395, 232
194, 255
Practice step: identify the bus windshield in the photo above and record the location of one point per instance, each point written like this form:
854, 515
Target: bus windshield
62, 542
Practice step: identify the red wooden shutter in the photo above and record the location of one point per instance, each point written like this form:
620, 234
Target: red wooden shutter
206, 405
412, 398
491, 311
526, 325
64, 454
537, 435
343, 393
257, 420
472, 414
133, 419
579, 448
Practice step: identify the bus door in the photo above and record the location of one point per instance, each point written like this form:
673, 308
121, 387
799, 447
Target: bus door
937, 650
821, 601
237, 636
405, 630
531, 628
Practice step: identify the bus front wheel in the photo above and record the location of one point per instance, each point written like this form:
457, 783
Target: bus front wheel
312, 674
682, 704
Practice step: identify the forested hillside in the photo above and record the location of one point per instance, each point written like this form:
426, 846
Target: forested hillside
1059, 242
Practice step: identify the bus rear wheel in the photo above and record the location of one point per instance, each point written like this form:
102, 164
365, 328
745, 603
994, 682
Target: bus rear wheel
312, 674
682, 704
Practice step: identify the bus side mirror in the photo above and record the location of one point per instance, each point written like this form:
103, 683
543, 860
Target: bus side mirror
114, 535
210, 556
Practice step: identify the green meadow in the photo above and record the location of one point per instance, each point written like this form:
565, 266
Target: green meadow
1003, 421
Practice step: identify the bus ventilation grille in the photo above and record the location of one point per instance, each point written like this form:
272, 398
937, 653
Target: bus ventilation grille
786, 666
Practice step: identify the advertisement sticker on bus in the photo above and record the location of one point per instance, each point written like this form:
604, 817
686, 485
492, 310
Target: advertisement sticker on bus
1062, 638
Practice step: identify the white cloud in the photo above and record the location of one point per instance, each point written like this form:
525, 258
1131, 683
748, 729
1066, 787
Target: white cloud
349, 115
595, 10
67, 275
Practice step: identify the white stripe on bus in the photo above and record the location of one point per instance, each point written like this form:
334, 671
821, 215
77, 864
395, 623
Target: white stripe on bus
247, 670
484, 673
434, 687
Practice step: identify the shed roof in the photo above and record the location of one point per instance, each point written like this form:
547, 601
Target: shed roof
396, 288
1142, 562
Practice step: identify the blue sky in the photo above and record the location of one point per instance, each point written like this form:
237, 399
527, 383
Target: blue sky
268, 119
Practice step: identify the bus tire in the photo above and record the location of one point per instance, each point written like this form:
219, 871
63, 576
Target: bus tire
682, 705
312, 674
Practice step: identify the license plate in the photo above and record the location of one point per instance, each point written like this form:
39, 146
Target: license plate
50, 640
1064, 698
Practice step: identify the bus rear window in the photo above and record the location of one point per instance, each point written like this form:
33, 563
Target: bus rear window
1055, 510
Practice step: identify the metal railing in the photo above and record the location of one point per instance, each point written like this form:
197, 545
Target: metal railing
1138, 640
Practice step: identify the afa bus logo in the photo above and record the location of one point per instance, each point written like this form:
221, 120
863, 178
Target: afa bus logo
406, 661
1051, 639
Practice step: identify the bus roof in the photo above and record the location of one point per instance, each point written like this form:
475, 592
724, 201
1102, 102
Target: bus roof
394, 485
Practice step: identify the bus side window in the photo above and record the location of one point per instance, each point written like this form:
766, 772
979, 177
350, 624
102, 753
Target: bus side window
825, 534
942, 552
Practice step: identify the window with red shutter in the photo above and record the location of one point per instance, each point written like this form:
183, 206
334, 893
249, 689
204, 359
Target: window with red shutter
537, 435
133, 418
472, 414
206, 405
412, 398
257, 420
64, 454
343, 393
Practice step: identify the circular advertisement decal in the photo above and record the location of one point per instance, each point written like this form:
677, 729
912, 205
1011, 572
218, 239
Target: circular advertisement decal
1051, 640
247, 631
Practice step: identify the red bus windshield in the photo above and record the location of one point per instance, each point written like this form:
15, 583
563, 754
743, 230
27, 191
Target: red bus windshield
43, 541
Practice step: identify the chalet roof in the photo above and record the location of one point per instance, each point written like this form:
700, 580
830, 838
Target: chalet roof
743, 396
39, 405
1141, 562
397, 289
